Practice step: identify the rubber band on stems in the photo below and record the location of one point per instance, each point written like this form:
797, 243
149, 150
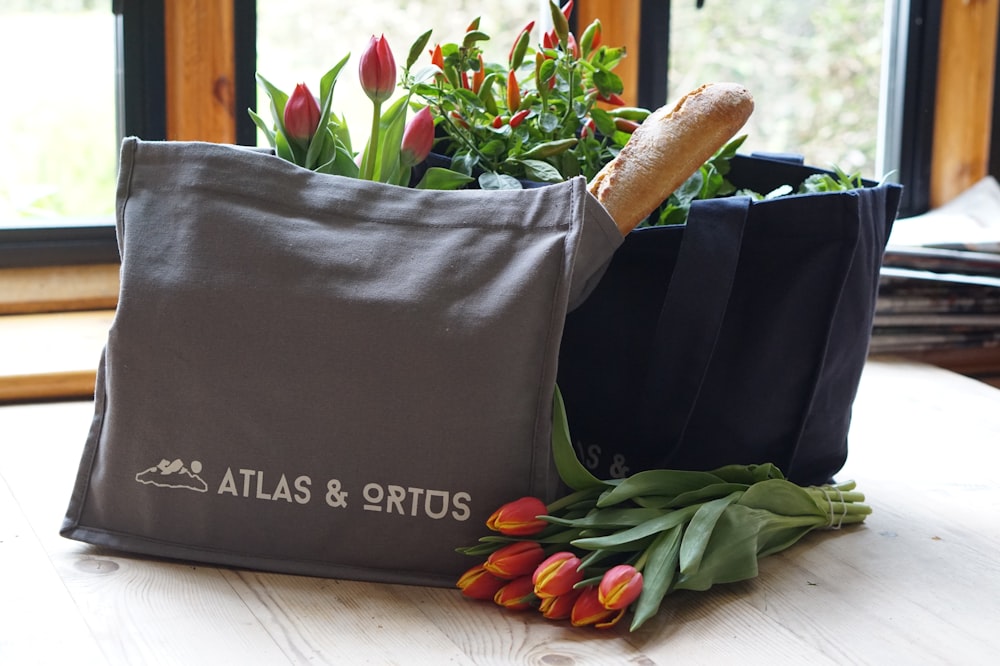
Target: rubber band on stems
834, 516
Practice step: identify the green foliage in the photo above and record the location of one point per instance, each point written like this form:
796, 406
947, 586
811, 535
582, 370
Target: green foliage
547, 126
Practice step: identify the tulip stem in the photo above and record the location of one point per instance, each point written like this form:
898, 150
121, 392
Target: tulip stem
371, 155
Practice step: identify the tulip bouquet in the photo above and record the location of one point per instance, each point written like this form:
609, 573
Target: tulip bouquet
308, 133
626, 543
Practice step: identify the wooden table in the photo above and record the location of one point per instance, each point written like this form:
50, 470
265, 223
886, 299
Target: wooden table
919, 583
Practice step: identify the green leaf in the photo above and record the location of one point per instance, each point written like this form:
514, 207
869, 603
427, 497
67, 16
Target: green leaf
639, 532
262, 126
690, 188
781, 497
571, 470
603, 120
393, 124
498, 181
608, 82
438, 178
541, 172
699, 531
731, 553
464, 163
608, 518
658, 575
548, 122
417, 49
748, 473
474, 36
658, 482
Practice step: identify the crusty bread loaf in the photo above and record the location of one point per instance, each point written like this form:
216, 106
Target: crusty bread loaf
667, 148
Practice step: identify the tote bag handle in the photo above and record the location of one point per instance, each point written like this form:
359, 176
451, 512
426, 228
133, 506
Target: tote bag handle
690, 320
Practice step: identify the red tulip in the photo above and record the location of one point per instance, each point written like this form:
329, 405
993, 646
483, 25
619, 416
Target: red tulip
516, 595
377, 70
588, 610
520, 558
557, 575
478, 583
559, 608
619, 587
519, 518
418, 138
301, 114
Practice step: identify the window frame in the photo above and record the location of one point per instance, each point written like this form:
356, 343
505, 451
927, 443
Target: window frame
141, 74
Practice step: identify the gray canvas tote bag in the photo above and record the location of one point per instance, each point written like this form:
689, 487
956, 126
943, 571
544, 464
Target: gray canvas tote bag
326, 376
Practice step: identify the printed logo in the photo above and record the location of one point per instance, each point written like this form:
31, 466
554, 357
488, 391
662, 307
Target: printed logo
174, 474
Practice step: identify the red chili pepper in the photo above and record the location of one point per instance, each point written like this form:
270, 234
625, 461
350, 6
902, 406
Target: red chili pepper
519, 117
513, 92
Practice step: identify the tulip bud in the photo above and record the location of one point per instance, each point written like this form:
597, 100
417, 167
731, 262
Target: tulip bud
519, 518
514, 560
478, 583
588, 610
559, 608
301, 114
619, 587
418, 138
516, 595
557, 575
377, 70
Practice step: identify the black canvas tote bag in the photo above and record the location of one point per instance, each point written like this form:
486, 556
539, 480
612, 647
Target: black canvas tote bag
739, 337
321, 375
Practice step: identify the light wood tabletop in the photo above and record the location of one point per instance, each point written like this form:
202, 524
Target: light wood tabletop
918, 583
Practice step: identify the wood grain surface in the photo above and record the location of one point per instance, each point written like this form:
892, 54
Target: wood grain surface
918, 583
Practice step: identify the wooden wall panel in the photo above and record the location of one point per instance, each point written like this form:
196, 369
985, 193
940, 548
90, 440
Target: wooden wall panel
199, 51
620, 27
964, 107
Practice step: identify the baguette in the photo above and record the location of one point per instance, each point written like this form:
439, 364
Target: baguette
669, 146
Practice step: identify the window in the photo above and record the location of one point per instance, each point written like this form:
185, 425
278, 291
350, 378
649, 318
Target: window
45, 220
57, 177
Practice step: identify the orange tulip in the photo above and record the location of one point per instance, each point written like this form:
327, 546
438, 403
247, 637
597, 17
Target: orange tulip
516, 595
589, 611
619, 587
557, 575
514, 560
559, 608
519, 518
478, 583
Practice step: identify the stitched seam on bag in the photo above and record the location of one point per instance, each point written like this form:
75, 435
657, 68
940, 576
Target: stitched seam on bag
155, 547
543, 404
824, 356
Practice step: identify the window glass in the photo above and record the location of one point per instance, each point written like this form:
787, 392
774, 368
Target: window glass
813, 66
299, 40
60, 147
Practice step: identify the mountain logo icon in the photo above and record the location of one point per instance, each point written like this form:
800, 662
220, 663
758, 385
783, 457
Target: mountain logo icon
174, 474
